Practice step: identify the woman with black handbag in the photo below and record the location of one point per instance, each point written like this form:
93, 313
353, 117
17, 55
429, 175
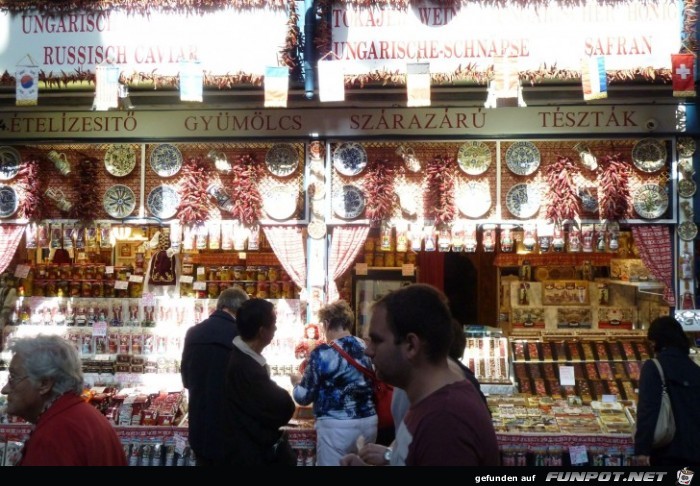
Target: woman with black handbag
682, 378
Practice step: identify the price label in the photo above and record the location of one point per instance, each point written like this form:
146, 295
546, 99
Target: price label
566, 376
180, 444
199, 286
109, 270
408, 270
148, 299
200, 270
99, 328
121, 285
186, 279
609, 398
360, 269
22, 271
136, 278
578, 454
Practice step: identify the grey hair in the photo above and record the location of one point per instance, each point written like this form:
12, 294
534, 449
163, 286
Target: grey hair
231, 299
53, 357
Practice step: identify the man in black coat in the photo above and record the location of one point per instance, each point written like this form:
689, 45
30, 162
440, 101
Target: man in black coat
204, 359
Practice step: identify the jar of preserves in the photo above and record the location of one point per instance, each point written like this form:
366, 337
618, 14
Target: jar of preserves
262, 274
273, 273
250, 288
226, 274
275, 290
108, 288
378, 259
97, 288
85, 288
251, 273
51, 288
389, 259
75, 289
263, 290
212, 290
62, 288
239, 272
135, 290
213, 273
78, 272
52, 271
66, 271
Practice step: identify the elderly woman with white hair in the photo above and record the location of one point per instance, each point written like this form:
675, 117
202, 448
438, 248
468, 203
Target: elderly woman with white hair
43, 387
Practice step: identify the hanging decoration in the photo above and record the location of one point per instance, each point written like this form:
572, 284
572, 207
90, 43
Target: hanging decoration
561, 201
291, 52
379, 187
31, 205
27, 82
613, 183
193, 208
439, 196
87, 205
247, 201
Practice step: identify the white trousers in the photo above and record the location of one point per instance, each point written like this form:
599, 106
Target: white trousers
335, 438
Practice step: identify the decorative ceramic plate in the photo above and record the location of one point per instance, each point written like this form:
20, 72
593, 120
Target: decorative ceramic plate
282, 160
317, 229
349, 202
119, 201
523, 200
280, 202
474, 158
349, 158
686, 188
650, 201
163, 202
120, 159
523, 158
649, 155
474, 199
687, 230
166, 160
10, 161
686, 146
8, 201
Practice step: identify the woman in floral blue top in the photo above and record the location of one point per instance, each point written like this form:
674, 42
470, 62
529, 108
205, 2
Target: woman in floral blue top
341, 395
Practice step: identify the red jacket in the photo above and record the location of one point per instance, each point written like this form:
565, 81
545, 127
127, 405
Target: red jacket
73, 433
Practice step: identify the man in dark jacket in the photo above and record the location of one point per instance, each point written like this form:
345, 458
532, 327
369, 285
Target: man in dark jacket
203, 369
256, 407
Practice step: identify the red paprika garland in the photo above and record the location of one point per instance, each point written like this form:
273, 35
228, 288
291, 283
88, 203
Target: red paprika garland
439, 197
88, 201
194, 200
247, 201
561, 200
613, 183
30, 179
379, 187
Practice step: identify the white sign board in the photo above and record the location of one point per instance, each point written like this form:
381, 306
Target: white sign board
630, 34
224, 41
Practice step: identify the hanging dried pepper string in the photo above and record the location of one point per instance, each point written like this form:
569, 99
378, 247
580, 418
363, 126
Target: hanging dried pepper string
562, 203
379, 187
614, 188
439, 197
194, 200
87, 204
31, 182
247, 201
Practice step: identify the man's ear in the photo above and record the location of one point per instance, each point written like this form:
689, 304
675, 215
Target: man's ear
412, 344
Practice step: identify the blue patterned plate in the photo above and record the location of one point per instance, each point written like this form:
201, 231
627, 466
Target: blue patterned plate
349, 203
10, 161
163, 202
523, 158
166, 160
349, 158
523, 200
119, 201
8, 201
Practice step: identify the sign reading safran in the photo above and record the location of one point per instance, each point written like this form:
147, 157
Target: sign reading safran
629, 33
225, 41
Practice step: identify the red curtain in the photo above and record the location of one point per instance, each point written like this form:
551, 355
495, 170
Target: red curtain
346, 243
288, 244
654, 244
431, 268
10, 236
